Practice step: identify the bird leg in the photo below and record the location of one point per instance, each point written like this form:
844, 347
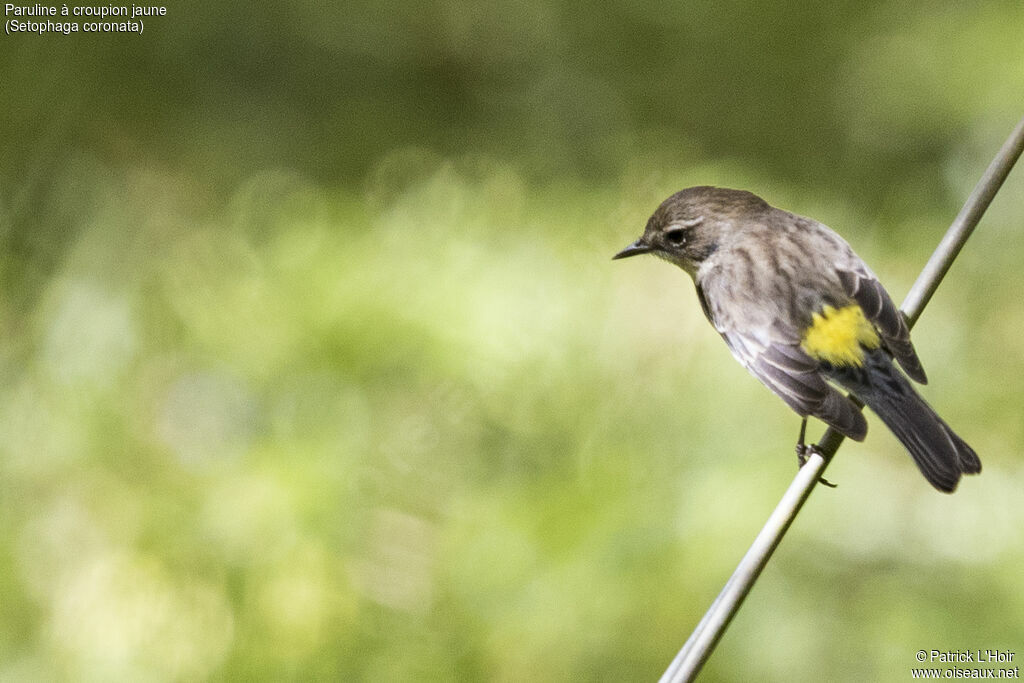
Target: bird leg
804, 452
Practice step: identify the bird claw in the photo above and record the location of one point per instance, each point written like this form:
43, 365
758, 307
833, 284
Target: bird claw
804, 453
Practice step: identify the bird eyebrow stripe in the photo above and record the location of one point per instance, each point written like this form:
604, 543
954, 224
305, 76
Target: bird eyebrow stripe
690, 222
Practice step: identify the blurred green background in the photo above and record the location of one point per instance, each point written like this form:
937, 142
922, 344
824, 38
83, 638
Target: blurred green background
315, 365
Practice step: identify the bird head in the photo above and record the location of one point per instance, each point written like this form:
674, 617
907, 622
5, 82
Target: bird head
690, 225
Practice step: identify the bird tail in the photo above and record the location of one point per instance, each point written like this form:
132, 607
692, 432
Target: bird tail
941, 455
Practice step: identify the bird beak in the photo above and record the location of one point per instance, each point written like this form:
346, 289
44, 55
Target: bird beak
638, 247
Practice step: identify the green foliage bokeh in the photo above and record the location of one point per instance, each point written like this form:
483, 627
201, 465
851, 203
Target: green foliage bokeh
315, 365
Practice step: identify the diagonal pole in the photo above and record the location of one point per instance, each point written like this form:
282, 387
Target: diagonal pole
687, 664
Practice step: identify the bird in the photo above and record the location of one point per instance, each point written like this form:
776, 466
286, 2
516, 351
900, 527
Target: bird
806, 316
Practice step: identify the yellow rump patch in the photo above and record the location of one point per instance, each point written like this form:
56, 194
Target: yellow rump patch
839, 336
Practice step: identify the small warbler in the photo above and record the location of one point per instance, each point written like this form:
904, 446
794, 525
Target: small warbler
802, 312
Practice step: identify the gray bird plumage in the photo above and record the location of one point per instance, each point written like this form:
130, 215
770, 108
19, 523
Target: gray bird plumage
803, 313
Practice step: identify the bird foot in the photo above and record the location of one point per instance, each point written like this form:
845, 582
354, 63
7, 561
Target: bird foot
804, 452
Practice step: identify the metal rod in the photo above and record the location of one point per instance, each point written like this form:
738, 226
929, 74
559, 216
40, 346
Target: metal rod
687, 664
963, 225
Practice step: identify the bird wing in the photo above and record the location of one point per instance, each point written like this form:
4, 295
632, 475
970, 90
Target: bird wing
773, 355
862, 286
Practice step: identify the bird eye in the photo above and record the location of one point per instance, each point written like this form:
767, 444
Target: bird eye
676, 237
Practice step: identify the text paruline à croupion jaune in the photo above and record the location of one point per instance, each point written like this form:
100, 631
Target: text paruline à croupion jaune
40, 18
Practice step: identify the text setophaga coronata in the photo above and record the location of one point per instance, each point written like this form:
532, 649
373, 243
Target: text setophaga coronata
799, 309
